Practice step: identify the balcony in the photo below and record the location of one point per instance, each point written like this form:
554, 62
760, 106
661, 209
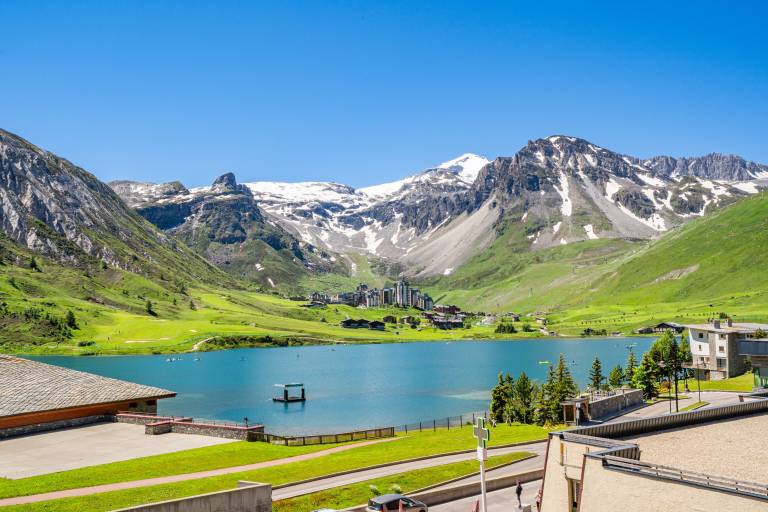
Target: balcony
753, 347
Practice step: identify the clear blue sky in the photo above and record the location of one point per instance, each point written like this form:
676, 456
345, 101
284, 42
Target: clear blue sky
366, 92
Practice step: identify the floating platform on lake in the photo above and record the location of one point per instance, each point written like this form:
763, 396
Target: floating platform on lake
285, 396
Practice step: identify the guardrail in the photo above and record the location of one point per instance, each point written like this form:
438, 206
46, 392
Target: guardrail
684, 476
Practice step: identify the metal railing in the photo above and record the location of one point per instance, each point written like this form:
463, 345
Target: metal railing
449, 422
358, 435
684, 476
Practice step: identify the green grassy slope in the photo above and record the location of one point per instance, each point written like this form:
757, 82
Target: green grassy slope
710, 264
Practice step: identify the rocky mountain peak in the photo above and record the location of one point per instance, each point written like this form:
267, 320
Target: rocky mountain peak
226, 183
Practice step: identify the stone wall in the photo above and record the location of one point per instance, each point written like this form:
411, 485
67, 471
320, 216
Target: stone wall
205, 429
616, 403
53, 425
144, 419
248, 497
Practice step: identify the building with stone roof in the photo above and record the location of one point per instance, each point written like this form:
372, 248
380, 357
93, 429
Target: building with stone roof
35, 394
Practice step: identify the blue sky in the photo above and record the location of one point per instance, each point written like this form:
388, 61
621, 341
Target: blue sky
367, 92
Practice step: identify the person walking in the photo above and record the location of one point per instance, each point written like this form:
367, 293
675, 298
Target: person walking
538, 500
519, 492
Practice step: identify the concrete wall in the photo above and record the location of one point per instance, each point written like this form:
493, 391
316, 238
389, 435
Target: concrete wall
564, 461
250, 497
607, 490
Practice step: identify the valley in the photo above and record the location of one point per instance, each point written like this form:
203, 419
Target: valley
565, 229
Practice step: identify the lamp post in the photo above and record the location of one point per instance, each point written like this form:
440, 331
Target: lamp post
663, 365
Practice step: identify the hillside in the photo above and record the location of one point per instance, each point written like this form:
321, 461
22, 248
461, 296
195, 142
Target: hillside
711, 264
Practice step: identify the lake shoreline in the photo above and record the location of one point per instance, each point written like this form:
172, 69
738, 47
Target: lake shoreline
207, 344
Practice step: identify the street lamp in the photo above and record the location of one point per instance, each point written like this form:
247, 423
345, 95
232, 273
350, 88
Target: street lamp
663, 365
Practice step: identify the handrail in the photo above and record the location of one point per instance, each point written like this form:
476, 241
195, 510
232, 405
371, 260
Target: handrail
683, 475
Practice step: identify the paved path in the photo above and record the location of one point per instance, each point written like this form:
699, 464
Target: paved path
85, 491
715, 399
361, 476
89, 445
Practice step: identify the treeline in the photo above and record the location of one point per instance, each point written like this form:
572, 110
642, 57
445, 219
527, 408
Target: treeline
522, 400
662, 365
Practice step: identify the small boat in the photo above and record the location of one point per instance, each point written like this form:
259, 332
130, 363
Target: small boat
544, 362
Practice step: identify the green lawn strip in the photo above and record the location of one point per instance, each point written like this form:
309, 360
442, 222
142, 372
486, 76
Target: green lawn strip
741, 383
408, 447
694, 406
358, 493
186, 461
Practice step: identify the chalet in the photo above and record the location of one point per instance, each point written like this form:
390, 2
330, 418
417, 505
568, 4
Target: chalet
448, 323
389, 319
447, 310
408, 319
541, 320
376, 325
661, 328
351, 323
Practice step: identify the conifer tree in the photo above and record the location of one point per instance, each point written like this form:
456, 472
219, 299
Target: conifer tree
499, 396
616, 377
631, 365
596, 376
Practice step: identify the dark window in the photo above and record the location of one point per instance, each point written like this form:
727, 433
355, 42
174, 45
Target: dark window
701, 335
151, 402
133, 405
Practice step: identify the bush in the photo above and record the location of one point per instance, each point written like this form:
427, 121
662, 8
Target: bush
86, 343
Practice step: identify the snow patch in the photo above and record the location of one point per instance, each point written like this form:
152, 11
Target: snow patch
746, 186
650, 180
271, 282
566, 208
590, 232
448, 271
259, 267
556, 228
611, 187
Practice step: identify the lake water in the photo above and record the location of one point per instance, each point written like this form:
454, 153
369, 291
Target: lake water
350, 386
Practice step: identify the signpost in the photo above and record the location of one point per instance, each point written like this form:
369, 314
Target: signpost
482, 434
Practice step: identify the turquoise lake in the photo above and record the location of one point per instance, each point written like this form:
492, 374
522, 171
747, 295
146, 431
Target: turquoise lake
350, 386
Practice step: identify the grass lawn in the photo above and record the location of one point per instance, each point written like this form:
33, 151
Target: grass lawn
358, 493
186, 461
694, 406
407, 447
741, 383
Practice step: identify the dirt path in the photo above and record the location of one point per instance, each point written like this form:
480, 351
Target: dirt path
197, 345
85, 491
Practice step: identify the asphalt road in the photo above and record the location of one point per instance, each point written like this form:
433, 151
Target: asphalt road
715, 399
503, 500
360, 476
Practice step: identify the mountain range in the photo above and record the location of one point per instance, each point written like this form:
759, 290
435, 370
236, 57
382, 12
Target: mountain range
563, 226
557, 190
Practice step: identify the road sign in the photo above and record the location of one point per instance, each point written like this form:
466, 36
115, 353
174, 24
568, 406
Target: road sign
482, 434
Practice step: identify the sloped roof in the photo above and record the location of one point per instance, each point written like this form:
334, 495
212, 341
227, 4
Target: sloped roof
28, 386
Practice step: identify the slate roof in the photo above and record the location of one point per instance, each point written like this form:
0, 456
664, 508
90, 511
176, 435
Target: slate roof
28, 386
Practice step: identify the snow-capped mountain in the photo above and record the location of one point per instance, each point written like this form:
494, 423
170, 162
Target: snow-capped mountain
384, 220
557, 190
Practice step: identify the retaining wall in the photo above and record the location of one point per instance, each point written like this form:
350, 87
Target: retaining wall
616, 403
248, 497
53, 425
204, 429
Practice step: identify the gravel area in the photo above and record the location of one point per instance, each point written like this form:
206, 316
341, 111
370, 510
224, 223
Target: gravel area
734, 448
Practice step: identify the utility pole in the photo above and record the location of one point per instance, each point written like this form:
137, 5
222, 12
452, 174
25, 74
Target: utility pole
482, 434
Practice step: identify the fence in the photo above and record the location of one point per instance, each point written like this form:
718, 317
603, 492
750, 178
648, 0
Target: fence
463, 420
358, 435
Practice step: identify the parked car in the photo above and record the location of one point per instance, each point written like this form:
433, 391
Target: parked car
391, 503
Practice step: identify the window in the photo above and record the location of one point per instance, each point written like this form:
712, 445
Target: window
721, 349
721, 363
701, 335
722, 336
573, 493
701, 347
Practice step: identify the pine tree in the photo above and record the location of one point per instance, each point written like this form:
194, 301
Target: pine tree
596, 376
644, 377
499, 396
616, 377
33, 264
149, 308
71, 320
631, 365
525, 393
544, 411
